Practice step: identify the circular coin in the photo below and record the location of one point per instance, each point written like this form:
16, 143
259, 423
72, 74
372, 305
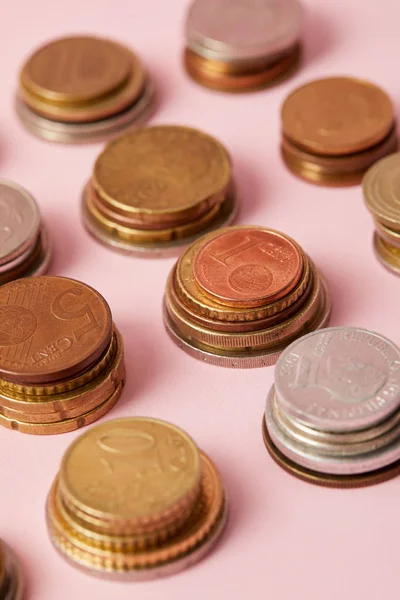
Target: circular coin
51, 328
381, 188
337, 115
339, 379
248, 266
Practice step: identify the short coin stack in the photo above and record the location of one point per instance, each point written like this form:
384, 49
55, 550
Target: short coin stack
24, 243
158, 188
334, 129
11, 584
238, 297
242, 45
135, 499
382, 197
61, 357
82, 89
333, 415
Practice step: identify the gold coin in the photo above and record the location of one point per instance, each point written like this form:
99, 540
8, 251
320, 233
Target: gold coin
143, 472
161, 173
381, 188
387, 254
390, 236
337, 115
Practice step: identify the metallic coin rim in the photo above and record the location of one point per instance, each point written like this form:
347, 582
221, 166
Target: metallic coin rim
389, 236
14, 574
379, 207
384, 259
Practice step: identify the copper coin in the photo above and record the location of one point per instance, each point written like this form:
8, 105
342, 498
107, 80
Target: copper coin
248, 266
51, 328
337, 115
76, 69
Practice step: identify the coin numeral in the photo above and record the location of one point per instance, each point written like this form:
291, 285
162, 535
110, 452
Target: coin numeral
77, 313
247, 243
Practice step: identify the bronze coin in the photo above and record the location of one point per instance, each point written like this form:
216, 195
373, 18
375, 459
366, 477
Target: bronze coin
51, 328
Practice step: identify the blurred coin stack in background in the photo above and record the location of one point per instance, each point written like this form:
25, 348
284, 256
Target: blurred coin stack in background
242, 45
158, 188
61, 357
239, 296
83, 89
382, 197
11, 584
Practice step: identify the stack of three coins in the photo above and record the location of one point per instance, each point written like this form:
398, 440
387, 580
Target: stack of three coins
158, 188
61, 357
10, 575
239, 296
24, 244
135, 499
382, 197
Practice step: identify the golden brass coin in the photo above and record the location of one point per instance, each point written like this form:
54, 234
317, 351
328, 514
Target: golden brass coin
324, 479
160, 173
337, 115
390, 236
381, 191
387, 254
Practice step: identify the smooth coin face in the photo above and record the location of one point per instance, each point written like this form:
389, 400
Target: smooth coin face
50, 328
19, 220
381, 187
162, 169
130, 469
337, 115
244, 28
76, 69
339, 379
248, 265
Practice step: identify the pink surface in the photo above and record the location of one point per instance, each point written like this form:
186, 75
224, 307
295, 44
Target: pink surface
286, 539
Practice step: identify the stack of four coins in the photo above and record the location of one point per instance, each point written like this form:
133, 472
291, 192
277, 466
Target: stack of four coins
61, 357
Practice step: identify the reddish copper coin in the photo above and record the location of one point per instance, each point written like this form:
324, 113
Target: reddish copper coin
51, 328
248, 266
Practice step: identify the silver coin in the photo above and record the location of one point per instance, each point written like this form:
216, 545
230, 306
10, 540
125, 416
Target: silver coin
306, 455
70, 133
339, 379
19, 221
225, 217
243, 29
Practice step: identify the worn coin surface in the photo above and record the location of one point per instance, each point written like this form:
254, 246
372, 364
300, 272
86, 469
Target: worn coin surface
248, 266
242, 29
51, 328
381, 188
337, 115
339, 379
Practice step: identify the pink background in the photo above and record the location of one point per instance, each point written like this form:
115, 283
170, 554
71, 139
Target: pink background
285, 538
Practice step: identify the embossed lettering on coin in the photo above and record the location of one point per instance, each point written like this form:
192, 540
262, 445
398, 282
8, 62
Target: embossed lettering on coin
19, 219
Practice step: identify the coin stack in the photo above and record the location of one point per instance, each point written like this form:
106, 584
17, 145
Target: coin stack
238, 297
334, 129
24, 243
82, 89
11, 583
61, 357
135, 499
333, 415
242, 45
158, 188
382, 197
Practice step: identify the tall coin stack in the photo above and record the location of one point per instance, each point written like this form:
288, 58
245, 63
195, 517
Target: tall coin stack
135, 499
333, 416
61, 357
382, 197
82, 89
24, 242
242, 45
158, 188
334, 129
239, 296
11, 583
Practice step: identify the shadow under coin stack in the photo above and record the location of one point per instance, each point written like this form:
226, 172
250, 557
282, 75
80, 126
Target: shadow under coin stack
24, 242
382, 197
11, 583
135, 499
157, 189
61, 357
242, 45
334, 129
239, 296
83, 89
333, 415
